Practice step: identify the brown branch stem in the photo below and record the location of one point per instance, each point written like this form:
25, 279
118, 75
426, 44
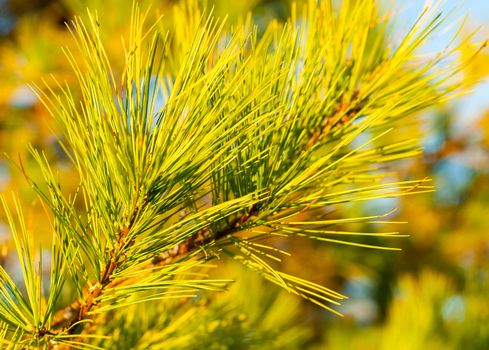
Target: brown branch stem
67, 318
203, 237
342, 114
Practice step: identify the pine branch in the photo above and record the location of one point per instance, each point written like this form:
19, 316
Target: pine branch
255, 131
72, 315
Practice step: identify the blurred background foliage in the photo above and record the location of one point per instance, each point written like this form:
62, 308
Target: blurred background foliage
430, 295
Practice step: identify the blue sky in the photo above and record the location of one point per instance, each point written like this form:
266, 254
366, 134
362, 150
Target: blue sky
452, 175
470, 106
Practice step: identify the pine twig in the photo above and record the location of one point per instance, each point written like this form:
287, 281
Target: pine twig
78, 311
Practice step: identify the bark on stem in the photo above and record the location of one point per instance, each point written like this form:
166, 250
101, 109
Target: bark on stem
67, 318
